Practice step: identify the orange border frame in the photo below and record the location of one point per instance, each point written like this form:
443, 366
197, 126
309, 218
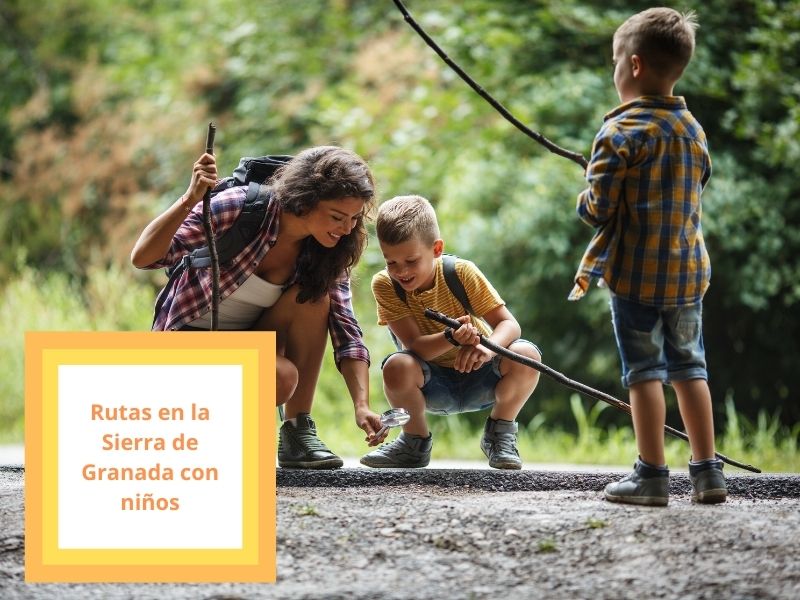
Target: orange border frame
255, 562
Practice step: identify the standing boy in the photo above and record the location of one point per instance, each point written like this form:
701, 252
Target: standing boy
441, 370
649, 165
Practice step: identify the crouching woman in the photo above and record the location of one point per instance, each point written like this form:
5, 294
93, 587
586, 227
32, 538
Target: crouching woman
292, 278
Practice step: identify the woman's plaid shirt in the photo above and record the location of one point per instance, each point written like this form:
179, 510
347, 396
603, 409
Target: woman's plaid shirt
649, 165
190, 297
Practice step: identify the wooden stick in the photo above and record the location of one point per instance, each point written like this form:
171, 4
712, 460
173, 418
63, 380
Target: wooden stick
571, 383
210, 241
555, 149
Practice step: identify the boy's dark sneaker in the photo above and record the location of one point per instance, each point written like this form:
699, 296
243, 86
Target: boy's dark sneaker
646, 486
708, 482
406, 452
499, 444
300, 448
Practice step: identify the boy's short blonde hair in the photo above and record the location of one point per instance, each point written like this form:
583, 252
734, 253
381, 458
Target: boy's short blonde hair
662, 37
403, 218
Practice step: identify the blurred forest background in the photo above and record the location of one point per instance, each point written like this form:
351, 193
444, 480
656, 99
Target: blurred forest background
104, 106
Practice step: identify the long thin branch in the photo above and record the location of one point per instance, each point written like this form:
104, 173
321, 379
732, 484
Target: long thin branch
571, 383
210, 241
555, 149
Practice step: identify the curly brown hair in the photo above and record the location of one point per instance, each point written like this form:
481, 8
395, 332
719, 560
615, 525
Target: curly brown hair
325, 173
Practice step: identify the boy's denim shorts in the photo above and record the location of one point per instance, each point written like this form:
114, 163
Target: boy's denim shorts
448, 391
664, 344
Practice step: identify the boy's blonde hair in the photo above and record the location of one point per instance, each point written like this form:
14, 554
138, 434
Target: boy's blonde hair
662, 37
403, 218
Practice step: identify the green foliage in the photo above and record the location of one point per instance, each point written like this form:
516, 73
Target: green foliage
765, 441
109, 300
104, 109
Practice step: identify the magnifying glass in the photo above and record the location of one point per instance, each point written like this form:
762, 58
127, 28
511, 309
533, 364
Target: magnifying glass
394, 417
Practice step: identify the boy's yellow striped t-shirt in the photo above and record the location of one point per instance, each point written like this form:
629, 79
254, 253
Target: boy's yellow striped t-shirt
481, 294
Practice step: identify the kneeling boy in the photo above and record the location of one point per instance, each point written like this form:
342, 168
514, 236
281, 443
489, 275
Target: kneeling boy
441, 370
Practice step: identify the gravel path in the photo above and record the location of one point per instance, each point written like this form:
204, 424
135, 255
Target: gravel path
357, 533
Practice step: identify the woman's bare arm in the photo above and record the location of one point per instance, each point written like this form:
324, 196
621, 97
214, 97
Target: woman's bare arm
154, 242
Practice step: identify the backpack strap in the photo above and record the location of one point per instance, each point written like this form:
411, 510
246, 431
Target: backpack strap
398, 289
453, 282
241, 233
229, 245
401, 293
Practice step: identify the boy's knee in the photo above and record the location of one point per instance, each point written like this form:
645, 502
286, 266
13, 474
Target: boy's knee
518, 370
400, 370
526, 350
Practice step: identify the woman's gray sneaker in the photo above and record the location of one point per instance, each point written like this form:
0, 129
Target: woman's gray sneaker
406, 452
646, 486
300, 448
708, 482
499, 444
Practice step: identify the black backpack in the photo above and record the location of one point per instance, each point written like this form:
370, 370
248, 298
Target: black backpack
454, 284
252, 172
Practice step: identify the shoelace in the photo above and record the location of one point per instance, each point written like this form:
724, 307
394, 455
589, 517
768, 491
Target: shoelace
395, 442
310, 440
504, 443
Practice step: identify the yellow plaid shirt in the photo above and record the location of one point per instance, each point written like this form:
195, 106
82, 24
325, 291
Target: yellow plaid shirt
648, 168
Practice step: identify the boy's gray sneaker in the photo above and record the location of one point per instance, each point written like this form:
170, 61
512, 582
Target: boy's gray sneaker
499, 444
646, 486
300, 448
406, 452
708, 482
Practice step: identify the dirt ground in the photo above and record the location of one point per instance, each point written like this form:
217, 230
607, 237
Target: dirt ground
357, 533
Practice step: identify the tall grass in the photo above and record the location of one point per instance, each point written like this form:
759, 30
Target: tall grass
112, 299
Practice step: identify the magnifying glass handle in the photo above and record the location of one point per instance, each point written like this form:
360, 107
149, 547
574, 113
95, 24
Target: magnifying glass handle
381, 431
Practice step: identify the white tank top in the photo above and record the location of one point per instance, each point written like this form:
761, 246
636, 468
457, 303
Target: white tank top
243, 307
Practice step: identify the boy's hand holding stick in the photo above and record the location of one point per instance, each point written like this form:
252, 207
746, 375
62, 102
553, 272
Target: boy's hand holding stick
571, 383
